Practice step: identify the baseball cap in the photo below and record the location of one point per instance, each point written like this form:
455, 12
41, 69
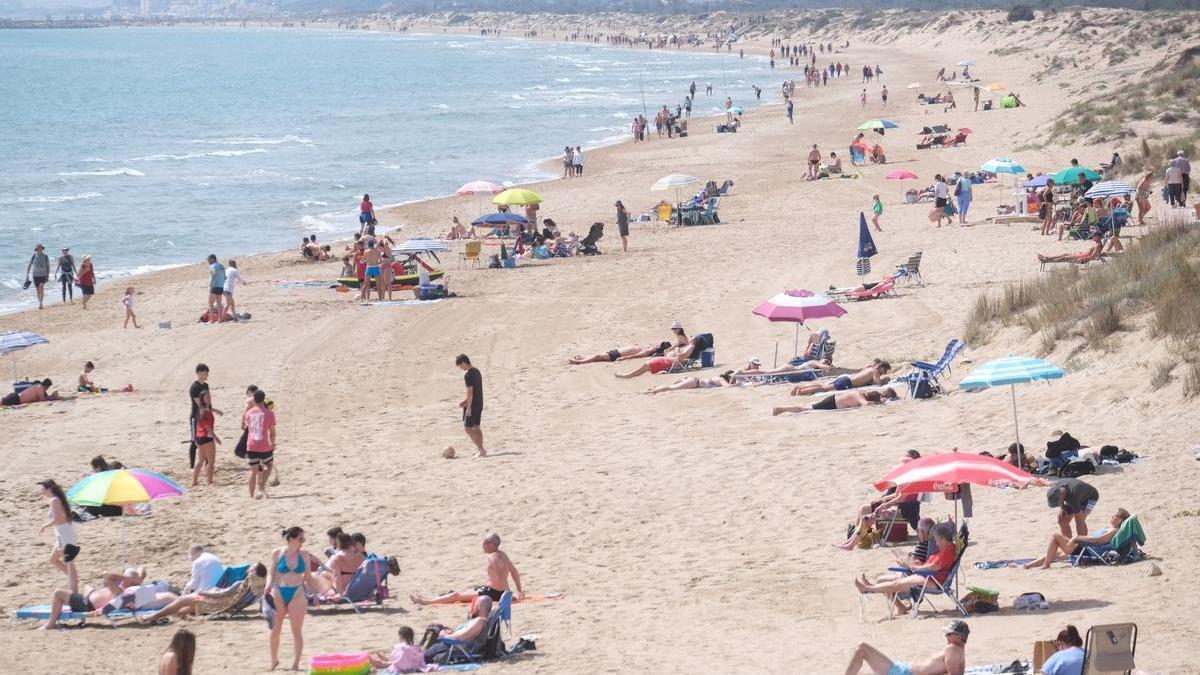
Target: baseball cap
1053, 498
960, 628
755, 360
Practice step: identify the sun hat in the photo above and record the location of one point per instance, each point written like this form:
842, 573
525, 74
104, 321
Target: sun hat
676, 324
755, 360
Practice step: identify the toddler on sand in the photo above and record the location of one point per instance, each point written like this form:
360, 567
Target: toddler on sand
128, 302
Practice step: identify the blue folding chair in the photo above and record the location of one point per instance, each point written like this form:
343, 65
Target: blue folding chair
935, 370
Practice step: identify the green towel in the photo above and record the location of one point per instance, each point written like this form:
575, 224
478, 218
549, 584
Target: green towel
1130, 529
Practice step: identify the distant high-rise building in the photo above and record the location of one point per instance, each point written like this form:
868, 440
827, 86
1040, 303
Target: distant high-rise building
144, 8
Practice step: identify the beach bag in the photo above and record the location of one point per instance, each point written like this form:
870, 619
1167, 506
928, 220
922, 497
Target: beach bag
240, 449
1077, 468
923, 386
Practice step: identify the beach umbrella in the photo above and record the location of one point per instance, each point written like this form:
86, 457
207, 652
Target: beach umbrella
866, 247
1011, 371
737, 109
965, 130
877, 124
1070, 175
1037, 181
500, 218
121, 487
915, 85
517, 197
966, 62
14, 341
798, 306
944, 472
1001, 165
901, 175
676, 182
479, 188
1109, 188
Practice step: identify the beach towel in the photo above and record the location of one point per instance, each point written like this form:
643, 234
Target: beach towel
531, 597
299, 283
997, 564
1015, 667
42, 613
401, 303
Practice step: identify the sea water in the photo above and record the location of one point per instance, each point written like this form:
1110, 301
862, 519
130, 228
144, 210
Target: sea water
151, 147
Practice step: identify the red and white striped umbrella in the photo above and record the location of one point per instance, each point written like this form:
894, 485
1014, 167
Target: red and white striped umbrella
799, 305
945, 472
480, 187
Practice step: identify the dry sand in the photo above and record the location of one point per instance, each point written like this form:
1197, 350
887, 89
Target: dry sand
690, 531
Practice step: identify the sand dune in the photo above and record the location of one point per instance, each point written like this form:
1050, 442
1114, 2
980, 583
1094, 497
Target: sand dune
692, 530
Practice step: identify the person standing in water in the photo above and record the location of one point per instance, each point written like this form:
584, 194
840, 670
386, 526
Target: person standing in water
472, 403
64, 269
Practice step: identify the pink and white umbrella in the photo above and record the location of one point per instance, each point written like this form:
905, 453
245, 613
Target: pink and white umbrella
480, 187
799, 305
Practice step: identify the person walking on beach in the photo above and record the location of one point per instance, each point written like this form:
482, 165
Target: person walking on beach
202, 408
177, 660
66, 546
1143, 196
216, 285
622, 225
1174, 179
39, 268
86, 279
789, 111
64, 269
578, 158
941, 196
260, 442
233, 277
877, 208
1185, 174
883, 95
288, 576
127, 301
862, 98
366, 216
962, 190
472, 403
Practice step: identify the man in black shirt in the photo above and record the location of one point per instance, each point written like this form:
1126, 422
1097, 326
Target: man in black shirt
472, 403
1074, 499
200, 398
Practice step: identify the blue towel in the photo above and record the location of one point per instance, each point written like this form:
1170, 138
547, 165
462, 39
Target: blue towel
42, 612
460, 666
997, 564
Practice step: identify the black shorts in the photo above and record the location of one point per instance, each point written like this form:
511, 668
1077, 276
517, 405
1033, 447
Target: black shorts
490, 592
217, 290
70, 551
614, 354
256, 458
940, 202
204, 440
11, 399
471, 419
78, 602
40, 281
88, 290
827, 403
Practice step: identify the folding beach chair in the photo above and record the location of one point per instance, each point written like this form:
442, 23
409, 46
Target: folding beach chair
1125, 546
369, 583
911, 269
492, 646
933, 587
471, 254
1110, 649
823, 348
710, 217
935, 370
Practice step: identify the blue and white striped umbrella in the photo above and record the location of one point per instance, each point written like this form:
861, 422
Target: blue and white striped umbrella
1109, 188
1011, 370
1002, 165
14, 341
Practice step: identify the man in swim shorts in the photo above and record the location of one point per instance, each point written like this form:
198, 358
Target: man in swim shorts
216, 285
871, 374
93, 600
1074, 499
499, 568
950, 661
850, 399
1085, 257
372, 257
653, 366
472, 403
34, 393
630, 352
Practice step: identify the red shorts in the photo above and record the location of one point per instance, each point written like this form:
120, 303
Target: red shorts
660, 364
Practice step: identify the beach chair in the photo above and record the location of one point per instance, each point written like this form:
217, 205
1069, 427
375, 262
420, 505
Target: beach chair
369, 583
470, 254
935, 370
911, 269
492, 646
1124, 547
710, 216
823, 348
1110, 649
663, 213
933, 587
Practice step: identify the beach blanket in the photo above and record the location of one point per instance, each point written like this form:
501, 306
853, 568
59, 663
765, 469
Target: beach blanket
997, 564
401, 303
532, 597
1015, 667
42, 612
299, 283
460, 667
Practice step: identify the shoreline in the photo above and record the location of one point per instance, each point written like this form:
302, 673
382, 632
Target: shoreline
547, 166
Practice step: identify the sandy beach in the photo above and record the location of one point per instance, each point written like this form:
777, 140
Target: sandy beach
691, 531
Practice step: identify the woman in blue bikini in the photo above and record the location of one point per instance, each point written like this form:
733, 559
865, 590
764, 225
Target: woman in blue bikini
287, 578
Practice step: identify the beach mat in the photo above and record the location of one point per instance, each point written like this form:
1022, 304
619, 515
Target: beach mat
401, 303
460, 667
42, 612
997, 564
301, 283
531, 597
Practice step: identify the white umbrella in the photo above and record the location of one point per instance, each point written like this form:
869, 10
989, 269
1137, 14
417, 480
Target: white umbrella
915, 85
675, 181
966, 62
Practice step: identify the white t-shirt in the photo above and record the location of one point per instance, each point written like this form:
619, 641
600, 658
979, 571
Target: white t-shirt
939, 190
206, 572
232, 278
1174, 175
579, 157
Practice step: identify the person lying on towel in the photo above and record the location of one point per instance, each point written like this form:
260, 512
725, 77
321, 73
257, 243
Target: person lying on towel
1087, 256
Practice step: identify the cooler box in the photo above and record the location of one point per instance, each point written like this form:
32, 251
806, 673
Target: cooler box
508, 262
708, 357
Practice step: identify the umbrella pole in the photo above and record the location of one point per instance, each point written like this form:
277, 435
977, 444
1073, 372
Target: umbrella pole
1016, 429
775, 361
796, 346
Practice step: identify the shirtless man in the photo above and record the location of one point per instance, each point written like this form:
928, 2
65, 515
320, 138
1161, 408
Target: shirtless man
34, 393
1089, 255
814, 161
630, 352
754, 369
499, 568
872, 374
371, 258
950, 661
93, 600
850, 399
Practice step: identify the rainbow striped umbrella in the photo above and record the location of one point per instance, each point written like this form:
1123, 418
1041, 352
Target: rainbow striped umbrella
122, 486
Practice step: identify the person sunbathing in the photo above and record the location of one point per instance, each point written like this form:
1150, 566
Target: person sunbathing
93, 600
850, 399
950, 661
1028, 459
1062, 547
622, 353
939, 563
499, 568
871, 374
725, 379
214, 600
472, 633
1087, 256
34, 393
878, 509
807, 370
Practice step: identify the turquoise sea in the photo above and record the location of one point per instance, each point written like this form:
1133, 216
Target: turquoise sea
154, 147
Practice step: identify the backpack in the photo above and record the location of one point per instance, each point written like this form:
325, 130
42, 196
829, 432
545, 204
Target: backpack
1077, 468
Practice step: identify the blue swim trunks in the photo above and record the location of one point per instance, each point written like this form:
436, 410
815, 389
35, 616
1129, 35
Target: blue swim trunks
372, 271
842, 383
899, 668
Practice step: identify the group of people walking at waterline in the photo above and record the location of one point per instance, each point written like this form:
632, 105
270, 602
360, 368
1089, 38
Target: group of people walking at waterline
38, 274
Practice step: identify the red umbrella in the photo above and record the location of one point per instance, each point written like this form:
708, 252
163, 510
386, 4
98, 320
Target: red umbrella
945, 472
964, 130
